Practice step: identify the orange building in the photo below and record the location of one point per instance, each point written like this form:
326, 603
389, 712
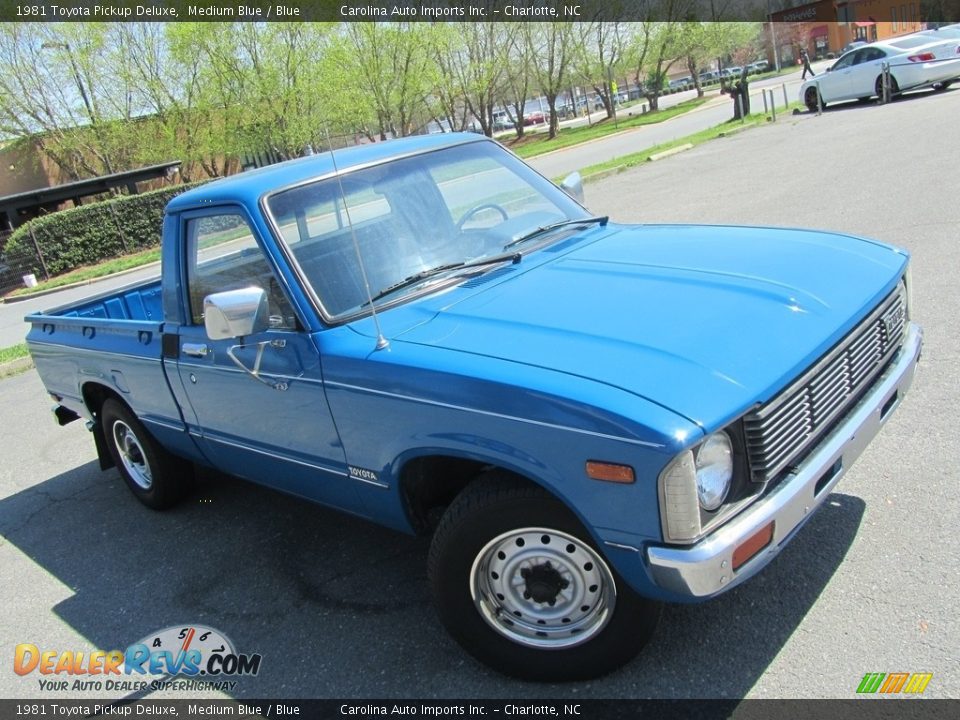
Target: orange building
827, 26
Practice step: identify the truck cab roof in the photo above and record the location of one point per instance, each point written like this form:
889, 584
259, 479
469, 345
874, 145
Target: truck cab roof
248, 187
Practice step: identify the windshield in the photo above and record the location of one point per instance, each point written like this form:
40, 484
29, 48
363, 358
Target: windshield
411, 216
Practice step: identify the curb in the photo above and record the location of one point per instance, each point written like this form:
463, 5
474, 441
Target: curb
10, 299
15, 367
671, 151
735, 130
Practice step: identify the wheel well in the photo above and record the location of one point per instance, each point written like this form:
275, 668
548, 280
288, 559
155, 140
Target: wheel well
429, 484
94, 396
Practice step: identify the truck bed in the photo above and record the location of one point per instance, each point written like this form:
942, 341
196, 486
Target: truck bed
113, 340
134, 302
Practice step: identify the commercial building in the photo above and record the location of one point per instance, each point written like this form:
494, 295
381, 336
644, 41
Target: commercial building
826, 26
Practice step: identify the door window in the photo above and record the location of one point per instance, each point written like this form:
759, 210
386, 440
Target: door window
222, 254
870, 54
843, 63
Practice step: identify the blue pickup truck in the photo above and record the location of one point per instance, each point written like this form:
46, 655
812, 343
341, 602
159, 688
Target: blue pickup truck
590, 418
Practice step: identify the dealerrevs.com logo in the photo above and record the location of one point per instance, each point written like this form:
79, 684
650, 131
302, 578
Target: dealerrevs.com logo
181, 657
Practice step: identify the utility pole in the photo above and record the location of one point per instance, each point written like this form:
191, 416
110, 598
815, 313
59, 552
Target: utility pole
773, 37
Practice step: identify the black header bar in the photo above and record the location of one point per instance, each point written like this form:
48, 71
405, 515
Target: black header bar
383, 11
431, 709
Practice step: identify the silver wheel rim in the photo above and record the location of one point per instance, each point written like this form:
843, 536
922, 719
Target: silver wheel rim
131, 454
542, 588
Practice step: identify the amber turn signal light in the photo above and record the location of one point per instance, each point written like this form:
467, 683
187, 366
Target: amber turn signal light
610, 472
752, 545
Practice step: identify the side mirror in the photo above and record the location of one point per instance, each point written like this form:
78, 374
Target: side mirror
236, 313
572, 185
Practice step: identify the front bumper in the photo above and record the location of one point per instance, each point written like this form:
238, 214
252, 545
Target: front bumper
706, 568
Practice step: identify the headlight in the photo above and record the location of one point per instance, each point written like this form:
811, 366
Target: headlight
713, 461
695, 489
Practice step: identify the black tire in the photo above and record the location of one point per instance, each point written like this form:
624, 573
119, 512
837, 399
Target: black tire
158, 479
810, 100
894, 87
498, 513
941, 86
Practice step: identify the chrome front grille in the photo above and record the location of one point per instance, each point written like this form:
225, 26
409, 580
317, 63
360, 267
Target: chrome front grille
780, 432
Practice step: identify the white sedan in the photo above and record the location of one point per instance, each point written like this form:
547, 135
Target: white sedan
915, 61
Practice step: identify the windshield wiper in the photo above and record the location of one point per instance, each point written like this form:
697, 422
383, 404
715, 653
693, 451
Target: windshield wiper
601, 219
514, 257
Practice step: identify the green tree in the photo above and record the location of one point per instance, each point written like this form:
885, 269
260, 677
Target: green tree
472, 58
551, 47
602, 53
517, 77
394, 67
54, 90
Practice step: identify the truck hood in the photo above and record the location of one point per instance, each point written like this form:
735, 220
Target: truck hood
705, 321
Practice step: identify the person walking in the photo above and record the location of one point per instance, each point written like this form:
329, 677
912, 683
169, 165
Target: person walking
805, 59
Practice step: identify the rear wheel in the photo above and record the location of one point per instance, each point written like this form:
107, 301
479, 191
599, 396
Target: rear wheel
940, 87
810, 100
520, 585
157, 478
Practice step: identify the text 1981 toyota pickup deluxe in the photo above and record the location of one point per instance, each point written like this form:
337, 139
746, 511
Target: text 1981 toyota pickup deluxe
591, 418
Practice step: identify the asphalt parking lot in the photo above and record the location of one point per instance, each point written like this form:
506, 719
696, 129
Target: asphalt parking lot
340, 608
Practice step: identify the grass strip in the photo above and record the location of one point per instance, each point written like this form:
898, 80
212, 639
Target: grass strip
625, 162
533, 144
15, 352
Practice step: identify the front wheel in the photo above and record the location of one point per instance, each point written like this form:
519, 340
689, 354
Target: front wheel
157, 478
519, 584
810, 100
894, 87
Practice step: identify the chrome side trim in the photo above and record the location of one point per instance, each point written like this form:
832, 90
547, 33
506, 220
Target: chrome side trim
707, 568
267, 453
620, 546
163, 424
488, 413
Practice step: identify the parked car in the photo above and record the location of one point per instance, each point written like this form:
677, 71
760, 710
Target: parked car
501, 122
709, 76
760, 66
534, 118
680, 83
853, 45
590, 418
915, 61
732, 73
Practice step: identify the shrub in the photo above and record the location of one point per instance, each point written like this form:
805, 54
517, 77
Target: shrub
92, 233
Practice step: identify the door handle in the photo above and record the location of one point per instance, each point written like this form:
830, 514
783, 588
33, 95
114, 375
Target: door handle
195, 349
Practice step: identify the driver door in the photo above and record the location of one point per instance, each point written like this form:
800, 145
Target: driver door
276, 430
835, 84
